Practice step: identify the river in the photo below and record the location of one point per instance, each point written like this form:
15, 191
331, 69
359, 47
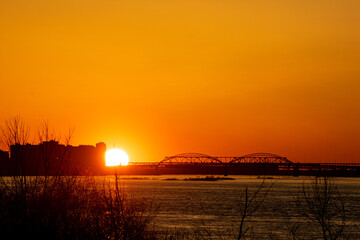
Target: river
212, 208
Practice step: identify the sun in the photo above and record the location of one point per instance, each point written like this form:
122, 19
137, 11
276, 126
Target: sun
116, 157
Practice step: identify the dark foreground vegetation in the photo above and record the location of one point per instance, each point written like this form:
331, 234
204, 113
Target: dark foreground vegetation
71, 208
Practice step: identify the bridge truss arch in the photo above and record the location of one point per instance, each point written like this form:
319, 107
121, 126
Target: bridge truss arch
191, 158
262, 158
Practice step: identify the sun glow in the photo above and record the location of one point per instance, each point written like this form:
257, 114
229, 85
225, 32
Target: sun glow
116, 157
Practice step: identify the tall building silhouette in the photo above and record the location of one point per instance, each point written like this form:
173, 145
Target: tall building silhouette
52, 158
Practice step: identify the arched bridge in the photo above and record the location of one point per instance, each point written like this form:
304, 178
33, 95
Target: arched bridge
266, 158
191, 158
199, 158
255, 163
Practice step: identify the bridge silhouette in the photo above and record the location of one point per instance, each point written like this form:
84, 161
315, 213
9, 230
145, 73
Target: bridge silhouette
250, 164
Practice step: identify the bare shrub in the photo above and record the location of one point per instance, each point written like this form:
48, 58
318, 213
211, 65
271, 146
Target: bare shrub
322, 207
249, 203
126, 218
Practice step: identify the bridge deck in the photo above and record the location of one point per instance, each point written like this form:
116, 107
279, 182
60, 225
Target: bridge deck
256, 163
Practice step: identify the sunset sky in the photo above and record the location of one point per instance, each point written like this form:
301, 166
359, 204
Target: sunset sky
158, 78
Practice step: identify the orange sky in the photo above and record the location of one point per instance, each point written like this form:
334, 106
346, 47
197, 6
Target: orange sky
159, 78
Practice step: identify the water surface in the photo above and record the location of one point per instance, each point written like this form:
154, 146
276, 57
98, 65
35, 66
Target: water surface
214, 205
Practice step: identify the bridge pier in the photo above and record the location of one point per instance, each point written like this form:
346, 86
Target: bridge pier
296, 171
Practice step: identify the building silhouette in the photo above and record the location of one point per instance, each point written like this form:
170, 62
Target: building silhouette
52, 158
